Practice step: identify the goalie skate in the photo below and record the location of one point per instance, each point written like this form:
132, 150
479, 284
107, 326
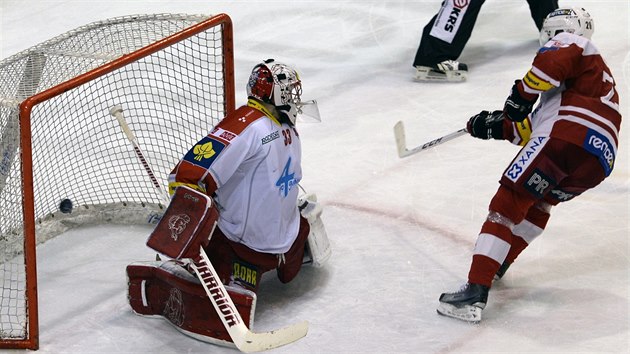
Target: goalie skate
465, 304
446, 71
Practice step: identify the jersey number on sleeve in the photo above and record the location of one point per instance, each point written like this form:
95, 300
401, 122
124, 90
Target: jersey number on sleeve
612, 98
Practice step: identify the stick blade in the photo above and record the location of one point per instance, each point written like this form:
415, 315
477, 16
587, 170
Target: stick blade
401, 141
257, 342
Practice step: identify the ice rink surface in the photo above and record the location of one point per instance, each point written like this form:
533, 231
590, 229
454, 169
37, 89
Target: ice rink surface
402, 230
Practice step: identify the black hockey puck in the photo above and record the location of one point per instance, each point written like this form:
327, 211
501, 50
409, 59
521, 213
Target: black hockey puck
65, 206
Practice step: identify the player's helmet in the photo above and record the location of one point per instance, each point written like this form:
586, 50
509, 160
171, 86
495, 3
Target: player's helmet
573, 20
276, 84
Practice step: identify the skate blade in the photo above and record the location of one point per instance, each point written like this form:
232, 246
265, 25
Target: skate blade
468, 313
435, 76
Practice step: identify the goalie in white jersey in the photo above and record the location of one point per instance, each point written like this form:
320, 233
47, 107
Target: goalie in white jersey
250, 163
255, 222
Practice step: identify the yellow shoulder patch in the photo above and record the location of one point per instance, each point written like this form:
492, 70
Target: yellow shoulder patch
535, 83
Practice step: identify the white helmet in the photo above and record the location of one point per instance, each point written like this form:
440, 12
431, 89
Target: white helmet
573, 20
276, 84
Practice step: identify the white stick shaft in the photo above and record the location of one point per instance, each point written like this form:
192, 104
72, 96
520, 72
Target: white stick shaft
117, 112
401, 143
244, 339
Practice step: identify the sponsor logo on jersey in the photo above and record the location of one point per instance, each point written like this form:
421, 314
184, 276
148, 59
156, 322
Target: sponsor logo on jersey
524, 158
271, 137
204, 152
561, 195
223, 134
598, 145
536, 83
287, 180
538, 183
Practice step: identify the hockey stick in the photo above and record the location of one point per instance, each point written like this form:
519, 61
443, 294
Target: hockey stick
117, 112
401, 142
244, 339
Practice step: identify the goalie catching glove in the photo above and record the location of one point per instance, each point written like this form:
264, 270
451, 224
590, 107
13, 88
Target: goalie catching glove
486, 125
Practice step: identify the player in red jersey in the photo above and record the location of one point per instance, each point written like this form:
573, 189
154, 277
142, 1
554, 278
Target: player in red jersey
569, 146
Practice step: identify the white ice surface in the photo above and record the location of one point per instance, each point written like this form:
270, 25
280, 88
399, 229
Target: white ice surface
402, 231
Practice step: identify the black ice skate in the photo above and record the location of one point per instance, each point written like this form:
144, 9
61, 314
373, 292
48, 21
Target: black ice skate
447, 71
465, 304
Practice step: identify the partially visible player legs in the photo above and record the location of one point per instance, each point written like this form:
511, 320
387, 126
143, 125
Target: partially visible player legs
491, 250
443, 40
525, 232
539, 9
238, 265
559, 172
290, 263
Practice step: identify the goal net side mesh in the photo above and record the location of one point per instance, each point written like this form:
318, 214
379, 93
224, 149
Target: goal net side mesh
173, 76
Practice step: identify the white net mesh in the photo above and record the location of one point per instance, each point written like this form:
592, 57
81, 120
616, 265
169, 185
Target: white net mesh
170, 98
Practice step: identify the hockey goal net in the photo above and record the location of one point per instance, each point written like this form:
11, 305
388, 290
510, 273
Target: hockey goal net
172, 75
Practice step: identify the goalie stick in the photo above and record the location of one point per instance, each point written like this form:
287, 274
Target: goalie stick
244, 339
117, 112
401, 142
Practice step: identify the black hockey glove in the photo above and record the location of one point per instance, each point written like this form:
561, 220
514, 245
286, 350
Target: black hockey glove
486, 125
517, 107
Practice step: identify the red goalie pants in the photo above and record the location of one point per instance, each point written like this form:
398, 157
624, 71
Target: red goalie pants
544, 173
239, 264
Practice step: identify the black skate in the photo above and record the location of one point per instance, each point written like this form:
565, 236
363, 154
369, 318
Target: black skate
465, 304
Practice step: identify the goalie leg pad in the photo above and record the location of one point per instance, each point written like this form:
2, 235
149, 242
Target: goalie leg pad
168, 290
187, 224
318, 244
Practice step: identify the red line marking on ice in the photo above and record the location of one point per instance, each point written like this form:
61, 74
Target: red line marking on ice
411, 219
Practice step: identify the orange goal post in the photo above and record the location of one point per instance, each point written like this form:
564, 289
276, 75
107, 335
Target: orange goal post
172, 78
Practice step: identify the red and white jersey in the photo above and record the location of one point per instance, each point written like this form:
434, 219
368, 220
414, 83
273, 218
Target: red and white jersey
252, 164
578, 100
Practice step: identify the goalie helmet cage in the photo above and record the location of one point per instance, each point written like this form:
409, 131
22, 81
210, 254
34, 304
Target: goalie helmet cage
172, 74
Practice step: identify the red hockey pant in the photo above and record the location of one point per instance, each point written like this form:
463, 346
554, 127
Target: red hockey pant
542, 174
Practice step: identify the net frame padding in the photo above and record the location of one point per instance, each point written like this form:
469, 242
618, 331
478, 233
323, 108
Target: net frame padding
173, 75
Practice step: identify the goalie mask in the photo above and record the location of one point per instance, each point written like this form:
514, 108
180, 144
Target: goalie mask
276, 84
572, 20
